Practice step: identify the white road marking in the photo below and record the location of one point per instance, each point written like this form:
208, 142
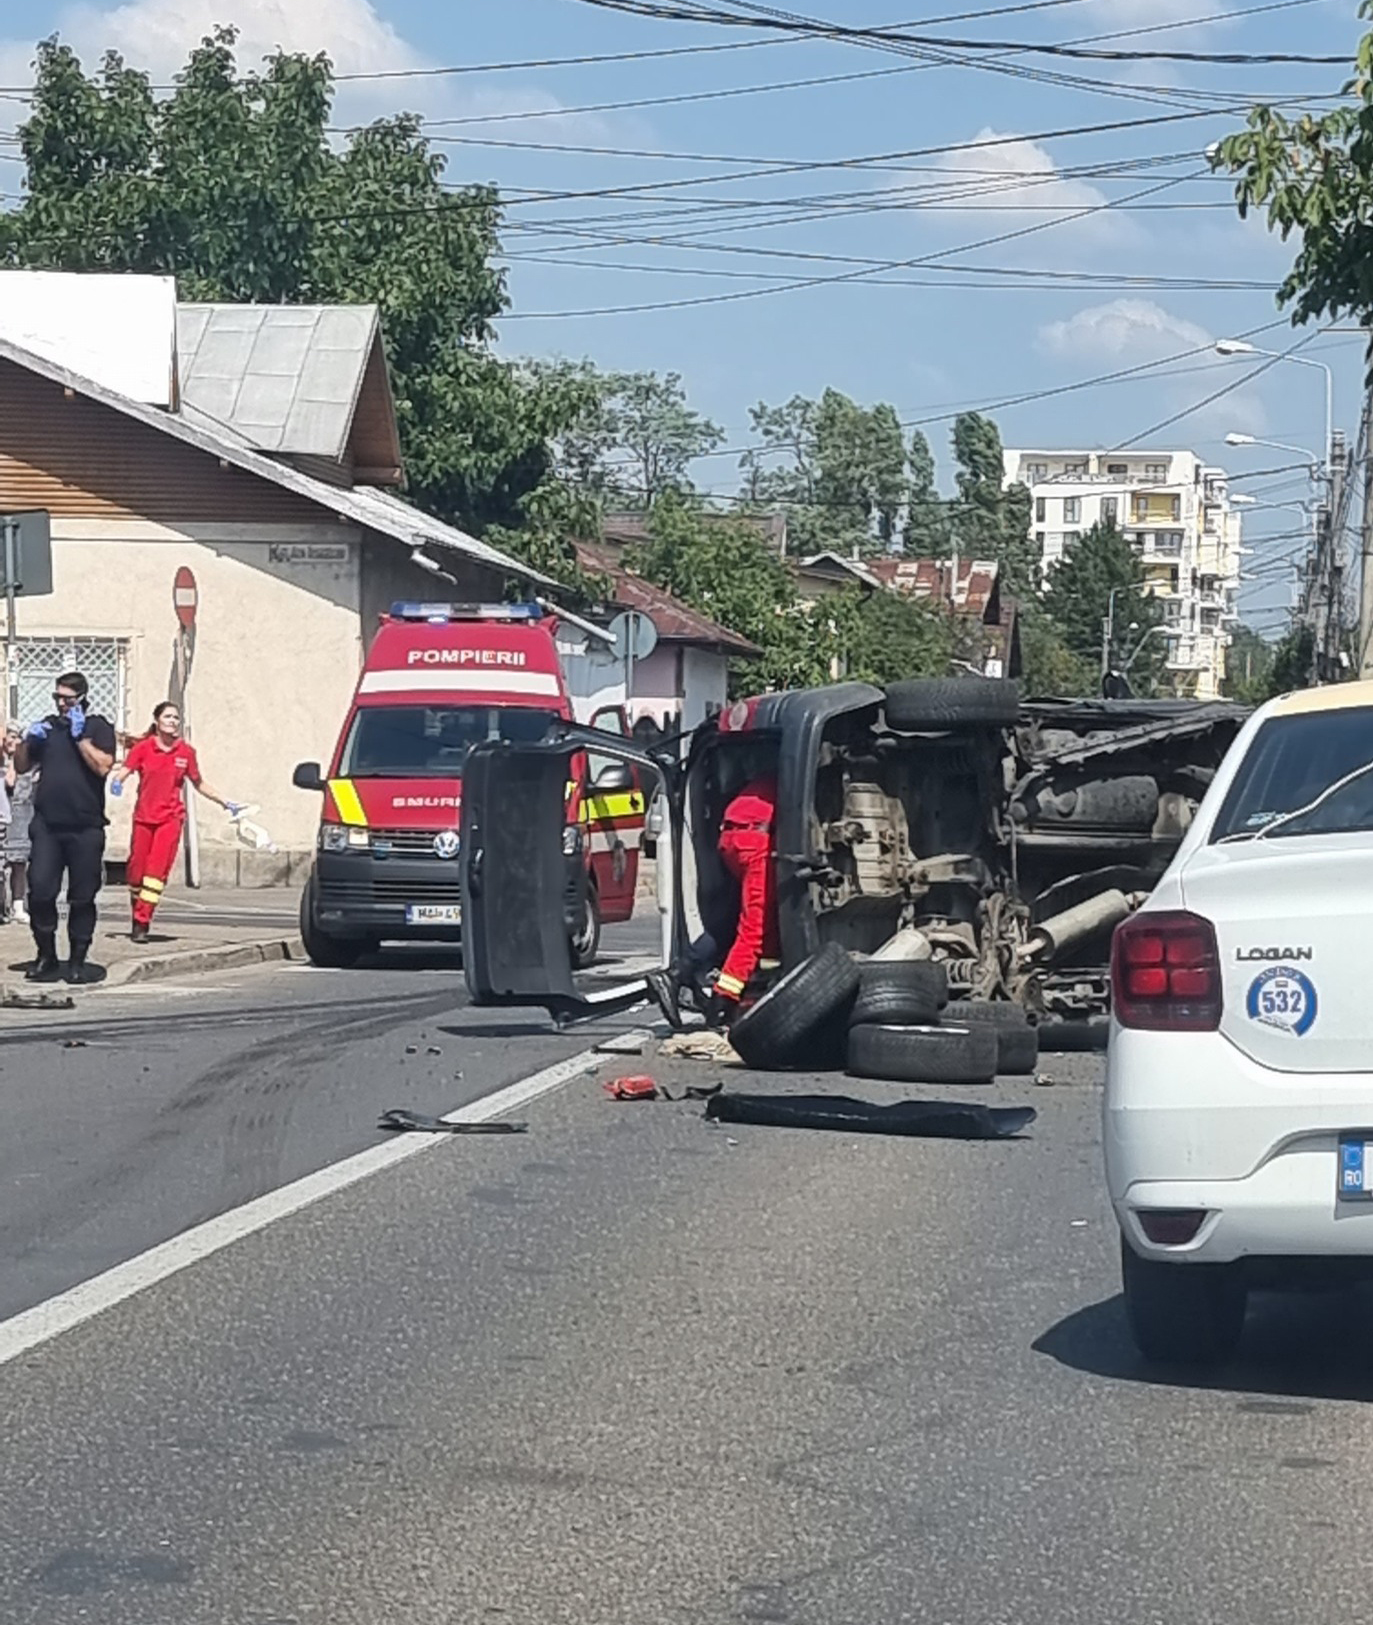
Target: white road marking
32, 1327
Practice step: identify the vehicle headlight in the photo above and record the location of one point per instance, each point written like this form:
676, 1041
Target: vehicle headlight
572, 840
339, 838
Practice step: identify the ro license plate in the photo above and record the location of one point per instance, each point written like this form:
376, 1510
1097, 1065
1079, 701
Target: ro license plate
1355, 1177
433, 914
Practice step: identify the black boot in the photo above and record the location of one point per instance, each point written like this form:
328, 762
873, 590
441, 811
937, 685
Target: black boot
79, 973
140, 931
662, 984
45, 967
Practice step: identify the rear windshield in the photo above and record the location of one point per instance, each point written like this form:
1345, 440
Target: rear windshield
426, 741
1302, 776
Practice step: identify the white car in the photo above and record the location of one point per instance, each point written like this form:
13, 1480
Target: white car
1239, 1087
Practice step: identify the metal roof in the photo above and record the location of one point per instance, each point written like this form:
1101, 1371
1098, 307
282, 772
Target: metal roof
675, 621
284, 377
365, 506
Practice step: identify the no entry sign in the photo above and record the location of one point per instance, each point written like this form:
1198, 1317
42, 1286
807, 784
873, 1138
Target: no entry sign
185, 596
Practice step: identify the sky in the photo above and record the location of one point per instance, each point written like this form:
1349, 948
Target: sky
787, 215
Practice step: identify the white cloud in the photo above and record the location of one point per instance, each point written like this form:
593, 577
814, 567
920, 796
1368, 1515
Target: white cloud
1019, 181
1130, 332
158, 35
1126, 330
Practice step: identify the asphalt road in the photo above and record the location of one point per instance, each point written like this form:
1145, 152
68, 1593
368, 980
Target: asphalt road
151, 1108
635, 1370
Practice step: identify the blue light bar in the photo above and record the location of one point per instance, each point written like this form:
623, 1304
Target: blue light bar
439, 614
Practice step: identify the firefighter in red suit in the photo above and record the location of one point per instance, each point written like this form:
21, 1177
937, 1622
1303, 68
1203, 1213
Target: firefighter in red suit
164, 763
746, 849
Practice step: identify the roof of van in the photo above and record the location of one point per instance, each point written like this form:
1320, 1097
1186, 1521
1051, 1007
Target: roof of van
488, 662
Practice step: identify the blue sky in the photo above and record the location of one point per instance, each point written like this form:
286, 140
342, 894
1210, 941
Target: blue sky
919, 336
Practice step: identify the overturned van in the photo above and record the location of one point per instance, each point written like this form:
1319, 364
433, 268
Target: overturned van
1005, 839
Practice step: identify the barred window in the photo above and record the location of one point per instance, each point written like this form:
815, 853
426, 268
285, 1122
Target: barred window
104, 662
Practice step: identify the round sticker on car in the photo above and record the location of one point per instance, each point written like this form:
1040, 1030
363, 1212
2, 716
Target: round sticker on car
1283, 997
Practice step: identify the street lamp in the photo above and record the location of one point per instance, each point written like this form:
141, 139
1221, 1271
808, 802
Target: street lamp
1236, 439
1233, 347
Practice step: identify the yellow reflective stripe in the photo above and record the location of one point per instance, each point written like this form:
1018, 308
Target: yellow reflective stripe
730, 986
625, 804
153, 883
346, 800
153, 897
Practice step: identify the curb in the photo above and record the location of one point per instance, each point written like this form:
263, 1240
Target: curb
201, 961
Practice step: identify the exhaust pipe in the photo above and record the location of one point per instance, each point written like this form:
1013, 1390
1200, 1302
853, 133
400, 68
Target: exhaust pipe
1060, 932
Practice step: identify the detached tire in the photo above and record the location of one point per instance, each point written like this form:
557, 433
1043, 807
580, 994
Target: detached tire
924, 1054
900, 993
1182, 1314
332, 953
1017, 1041
774, 1032
952, 702
1074, 1037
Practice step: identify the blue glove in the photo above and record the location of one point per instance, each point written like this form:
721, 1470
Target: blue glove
234, 808
38, 730
116, 787
76, 716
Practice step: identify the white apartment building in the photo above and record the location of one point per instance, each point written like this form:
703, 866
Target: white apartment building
1175, 511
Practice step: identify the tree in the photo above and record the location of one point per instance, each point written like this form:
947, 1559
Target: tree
839, 469
724, 570
634, 436
1293, 662
1248, 667
1078, 601
927, 517
991, 520
233, 184
1050, 669
1314, 176
885, 636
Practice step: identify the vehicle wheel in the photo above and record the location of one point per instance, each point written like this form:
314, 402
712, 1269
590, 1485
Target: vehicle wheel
899, 993
333, 953
586, 941
953, 702
1074, 1037
1182, 1314
774, 1031
1017, 1041
924, 1054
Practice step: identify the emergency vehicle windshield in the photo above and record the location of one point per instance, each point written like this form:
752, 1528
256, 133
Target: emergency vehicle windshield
424, 741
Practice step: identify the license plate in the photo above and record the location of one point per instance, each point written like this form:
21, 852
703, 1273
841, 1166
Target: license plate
1355, 1177
433, 914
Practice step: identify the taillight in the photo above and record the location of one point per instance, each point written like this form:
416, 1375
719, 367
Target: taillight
1165, 973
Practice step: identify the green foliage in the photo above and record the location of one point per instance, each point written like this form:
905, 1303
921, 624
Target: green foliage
990, 521
1293, 662
1079, 597
1248, 667
927, 519
1050, 668
839, 469
884, 636
725, 570
1313, 177
232, 184
632, 435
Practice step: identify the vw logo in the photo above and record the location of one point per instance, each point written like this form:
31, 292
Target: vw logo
446, 843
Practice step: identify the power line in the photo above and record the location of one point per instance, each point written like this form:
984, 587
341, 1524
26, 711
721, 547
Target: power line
838, 31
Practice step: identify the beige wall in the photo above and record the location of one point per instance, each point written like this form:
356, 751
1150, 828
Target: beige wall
278, 647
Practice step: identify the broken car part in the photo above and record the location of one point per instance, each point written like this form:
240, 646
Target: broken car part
923, 1119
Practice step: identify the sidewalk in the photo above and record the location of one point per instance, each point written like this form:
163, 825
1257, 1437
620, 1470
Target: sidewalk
193, 932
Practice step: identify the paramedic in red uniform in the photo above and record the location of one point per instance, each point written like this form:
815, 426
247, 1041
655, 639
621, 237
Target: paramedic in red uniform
164, 762
746, 849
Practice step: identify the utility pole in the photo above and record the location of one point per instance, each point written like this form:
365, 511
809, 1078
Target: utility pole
1108, 633
1329, 584
1365, 661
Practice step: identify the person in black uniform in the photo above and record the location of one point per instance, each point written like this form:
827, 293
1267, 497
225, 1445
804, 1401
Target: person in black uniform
74, 751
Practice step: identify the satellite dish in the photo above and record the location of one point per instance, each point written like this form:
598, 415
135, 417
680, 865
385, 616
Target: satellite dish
635, 635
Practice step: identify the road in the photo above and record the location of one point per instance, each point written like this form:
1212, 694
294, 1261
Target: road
635, 1370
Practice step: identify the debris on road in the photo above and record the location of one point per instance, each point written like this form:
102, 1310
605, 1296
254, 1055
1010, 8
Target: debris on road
642, 1087
928, 1119
702, 1046
74, 1043
403, 1121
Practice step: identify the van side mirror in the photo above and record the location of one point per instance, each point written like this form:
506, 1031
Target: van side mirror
613, 778
307, 776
